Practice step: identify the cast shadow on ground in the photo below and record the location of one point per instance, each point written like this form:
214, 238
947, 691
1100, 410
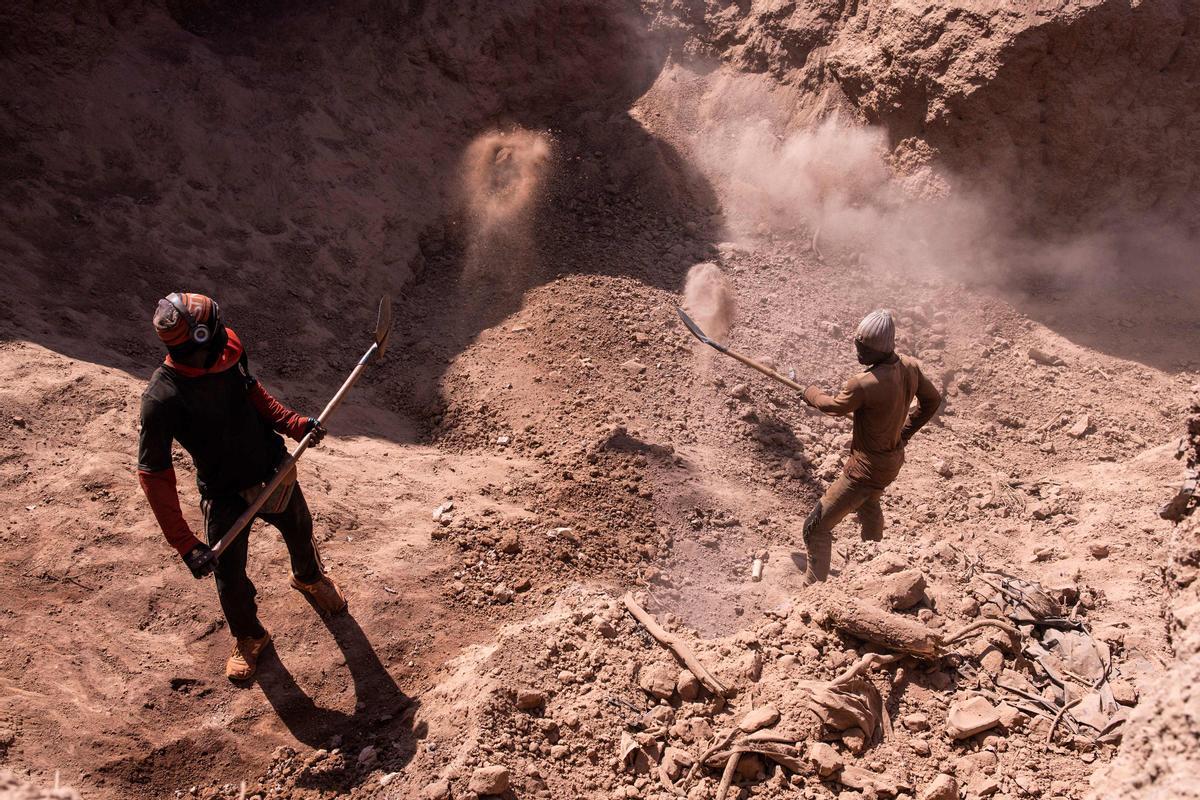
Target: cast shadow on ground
385, 710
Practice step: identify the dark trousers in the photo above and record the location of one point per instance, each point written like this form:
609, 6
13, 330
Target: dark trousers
234, 586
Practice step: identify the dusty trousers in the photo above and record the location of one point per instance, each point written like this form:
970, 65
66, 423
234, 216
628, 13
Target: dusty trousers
843, 496
234, 587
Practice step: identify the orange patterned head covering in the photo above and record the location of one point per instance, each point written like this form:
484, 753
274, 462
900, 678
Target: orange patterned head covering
186, 321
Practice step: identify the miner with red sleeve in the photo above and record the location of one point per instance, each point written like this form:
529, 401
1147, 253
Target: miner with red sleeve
204, 397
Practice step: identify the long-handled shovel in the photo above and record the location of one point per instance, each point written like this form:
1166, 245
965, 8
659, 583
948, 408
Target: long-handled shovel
383, 327
720, 348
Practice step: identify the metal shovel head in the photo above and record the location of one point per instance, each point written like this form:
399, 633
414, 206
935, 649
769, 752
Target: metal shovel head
695, 329
383, 325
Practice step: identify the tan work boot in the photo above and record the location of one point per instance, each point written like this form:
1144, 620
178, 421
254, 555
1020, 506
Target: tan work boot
243, 661
324, 592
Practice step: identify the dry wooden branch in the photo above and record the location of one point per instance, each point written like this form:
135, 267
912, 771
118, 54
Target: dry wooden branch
727, 775
680, 649
882, 628
716, 746
983, 623
863, 664
783, 753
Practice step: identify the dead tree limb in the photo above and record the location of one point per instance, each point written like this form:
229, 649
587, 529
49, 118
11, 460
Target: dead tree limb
864, 664
873, 625
727, 775
679, 648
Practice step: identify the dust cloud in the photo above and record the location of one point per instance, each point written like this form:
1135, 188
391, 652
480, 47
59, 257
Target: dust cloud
834, 185
503, 175
708, 300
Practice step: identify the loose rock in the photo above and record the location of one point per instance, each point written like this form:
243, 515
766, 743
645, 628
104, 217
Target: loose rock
971, 716
761, 717
490, 779
943, 787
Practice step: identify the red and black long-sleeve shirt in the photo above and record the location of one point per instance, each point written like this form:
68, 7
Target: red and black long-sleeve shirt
224, 419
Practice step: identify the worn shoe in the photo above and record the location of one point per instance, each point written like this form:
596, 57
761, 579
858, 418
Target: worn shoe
324, 592
243, 661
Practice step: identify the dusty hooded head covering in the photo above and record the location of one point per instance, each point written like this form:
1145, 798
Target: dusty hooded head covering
186, 321
877, 331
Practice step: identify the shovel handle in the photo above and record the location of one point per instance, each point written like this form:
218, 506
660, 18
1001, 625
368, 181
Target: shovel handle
770, 373
243, 522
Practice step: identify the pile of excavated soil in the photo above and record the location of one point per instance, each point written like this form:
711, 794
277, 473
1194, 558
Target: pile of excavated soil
543, 435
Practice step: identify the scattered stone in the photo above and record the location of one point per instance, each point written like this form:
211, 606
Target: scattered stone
675, 762
1124, 693
1011, 717
759, 718
367, 754
502, 594
740, 391
943, 787
634, 367
657, 680
905, 589
490, 779
438, 790
1080, 428
1045, 359
992, 661
943, 468
855, 740
19, 422
442, 510
529, 699
971, 716
915, 721
920, 747
824, 758
687, 685
510, 543
889, 563
1098, 550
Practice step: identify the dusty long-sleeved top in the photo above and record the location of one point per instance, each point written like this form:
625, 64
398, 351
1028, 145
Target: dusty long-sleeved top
879, 399
224, 418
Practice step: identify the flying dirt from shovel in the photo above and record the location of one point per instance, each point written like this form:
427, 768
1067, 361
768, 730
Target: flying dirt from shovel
708, 299
503, 173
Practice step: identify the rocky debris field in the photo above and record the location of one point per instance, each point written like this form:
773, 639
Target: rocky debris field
583, 700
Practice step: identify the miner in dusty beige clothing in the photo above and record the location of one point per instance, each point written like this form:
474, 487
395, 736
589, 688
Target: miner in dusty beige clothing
879, 398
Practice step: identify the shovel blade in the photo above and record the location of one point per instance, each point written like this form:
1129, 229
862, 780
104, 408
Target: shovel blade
383, 325
695, 329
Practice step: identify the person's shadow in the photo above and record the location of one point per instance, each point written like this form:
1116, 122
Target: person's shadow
383, 715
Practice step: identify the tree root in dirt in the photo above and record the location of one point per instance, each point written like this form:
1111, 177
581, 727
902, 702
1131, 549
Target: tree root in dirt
677, 647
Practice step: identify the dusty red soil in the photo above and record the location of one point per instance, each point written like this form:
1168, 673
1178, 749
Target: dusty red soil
297, 164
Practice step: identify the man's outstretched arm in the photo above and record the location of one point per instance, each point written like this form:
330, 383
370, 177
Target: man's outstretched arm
849, 400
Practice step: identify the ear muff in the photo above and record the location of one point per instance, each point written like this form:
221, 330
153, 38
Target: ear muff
199, 332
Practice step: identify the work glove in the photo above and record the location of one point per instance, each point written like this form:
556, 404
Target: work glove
200, 560
316, 429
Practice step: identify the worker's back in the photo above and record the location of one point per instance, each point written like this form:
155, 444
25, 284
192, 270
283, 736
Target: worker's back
887, 390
